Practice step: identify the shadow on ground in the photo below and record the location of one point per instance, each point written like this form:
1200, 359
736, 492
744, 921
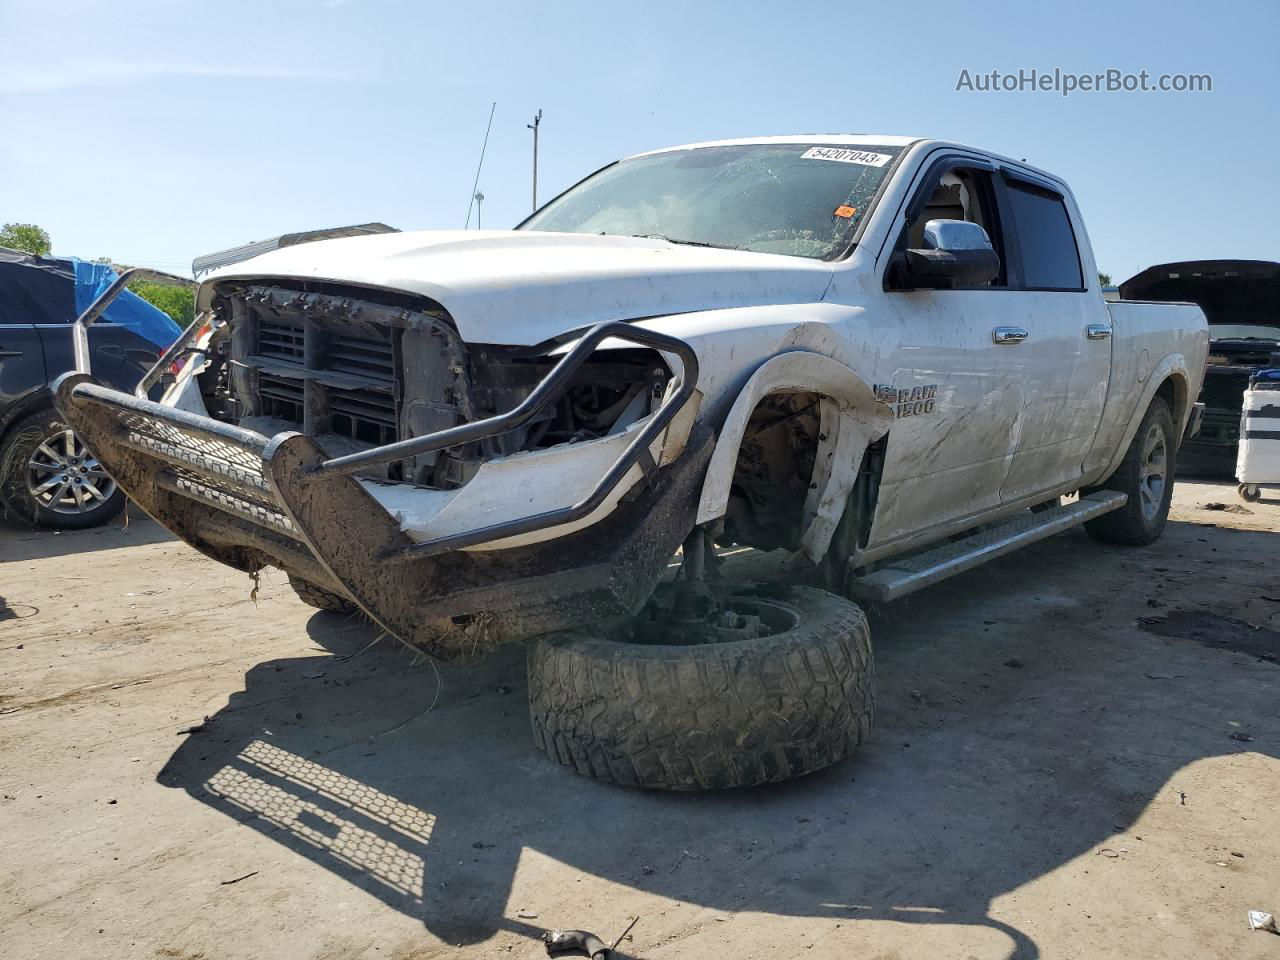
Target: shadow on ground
20, 541
1016, 732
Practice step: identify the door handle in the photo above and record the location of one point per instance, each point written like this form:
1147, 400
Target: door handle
1009, 335
1097, 331
6, 354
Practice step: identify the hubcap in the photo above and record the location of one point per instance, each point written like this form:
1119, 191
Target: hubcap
63, 476
1154, 472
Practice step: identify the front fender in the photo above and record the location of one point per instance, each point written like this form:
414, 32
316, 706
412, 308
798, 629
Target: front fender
851, 418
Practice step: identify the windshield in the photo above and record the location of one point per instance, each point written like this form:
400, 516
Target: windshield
799, 199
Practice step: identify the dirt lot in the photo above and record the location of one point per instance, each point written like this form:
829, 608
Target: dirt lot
1054, 774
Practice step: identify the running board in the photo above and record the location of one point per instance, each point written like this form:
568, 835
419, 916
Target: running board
910, 573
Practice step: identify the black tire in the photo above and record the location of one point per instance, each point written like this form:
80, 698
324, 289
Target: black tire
1141, 520
708, 716
75, 511
1249, 492
320, 598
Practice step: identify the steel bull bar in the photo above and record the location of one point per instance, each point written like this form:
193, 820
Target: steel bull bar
251, 501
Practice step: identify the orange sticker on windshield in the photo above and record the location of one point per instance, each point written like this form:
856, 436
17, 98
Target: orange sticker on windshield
845, 212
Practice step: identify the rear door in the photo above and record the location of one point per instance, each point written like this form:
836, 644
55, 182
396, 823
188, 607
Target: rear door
30, 288
118, 357
1065, 356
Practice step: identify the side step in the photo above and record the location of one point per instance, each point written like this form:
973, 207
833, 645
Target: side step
904, 575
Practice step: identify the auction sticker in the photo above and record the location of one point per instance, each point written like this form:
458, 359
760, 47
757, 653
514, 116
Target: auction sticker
842, 155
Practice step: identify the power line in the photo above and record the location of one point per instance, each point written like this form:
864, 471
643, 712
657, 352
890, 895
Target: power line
475, 187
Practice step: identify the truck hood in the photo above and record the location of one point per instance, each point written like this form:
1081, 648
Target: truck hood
1240, 298
523, 287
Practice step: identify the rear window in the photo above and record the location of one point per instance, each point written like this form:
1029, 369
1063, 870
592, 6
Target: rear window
1050, 260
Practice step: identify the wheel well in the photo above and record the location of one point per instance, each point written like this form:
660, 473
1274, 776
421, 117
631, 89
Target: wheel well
773, 471
1173, 391
33, 402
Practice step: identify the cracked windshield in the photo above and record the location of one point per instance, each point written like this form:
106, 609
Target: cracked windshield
798, 199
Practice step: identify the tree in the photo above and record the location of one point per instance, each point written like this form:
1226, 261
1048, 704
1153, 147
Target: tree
178, 302
177, 299
26, 237
1104, 278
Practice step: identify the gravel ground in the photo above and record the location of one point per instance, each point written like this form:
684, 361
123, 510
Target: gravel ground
1076, 756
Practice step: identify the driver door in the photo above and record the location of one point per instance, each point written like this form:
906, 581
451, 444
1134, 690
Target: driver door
957, 396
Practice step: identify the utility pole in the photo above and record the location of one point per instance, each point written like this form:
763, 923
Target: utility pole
479, 199
537, 121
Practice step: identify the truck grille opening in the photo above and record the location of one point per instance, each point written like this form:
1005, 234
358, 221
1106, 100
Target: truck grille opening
364, 415
329, 361
281, 341
362, 357
328, 377
280, 397
1224, 391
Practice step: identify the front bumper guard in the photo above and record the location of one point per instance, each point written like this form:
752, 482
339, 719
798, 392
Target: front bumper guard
250, 501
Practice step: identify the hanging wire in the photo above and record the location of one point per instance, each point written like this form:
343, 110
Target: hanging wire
476, 186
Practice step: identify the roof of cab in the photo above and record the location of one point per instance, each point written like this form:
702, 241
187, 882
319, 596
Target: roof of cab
861, 140
849, 139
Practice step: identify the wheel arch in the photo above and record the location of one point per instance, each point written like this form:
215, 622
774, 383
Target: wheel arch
1173, 390
39, 399
851, 418
1171, 381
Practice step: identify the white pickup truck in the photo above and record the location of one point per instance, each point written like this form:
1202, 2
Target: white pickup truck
888, 355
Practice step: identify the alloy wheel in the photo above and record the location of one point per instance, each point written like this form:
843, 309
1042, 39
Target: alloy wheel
64, 477
1154, 471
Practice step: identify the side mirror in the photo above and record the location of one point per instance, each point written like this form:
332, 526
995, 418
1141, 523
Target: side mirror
956, 253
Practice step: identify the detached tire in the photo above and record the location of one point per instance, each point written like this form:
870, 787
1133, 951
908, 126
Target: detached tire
1146, 476
320, 598
709, 716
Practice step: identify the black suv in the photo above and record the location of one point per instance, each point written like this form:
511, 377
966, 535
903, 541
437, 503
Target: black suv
47, 476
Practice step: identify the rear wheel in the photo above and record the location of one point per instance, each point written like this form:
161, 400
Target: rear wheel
49, 477
777, 684
320, 598
1249, 492
1146, 477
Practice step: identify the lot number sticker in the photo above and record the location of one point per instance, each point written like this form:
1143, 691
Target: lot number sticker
841, 155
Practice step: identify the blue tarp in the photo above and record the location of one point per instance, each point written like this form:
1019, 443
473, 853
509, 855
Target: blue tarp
128, 309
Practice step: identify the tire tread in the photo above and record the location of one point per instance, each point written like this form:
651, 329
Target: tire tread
320, 598
709, 716
1127, 526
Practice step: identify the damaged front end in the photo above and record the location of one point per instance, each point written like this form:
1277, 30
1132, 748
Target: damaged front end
461, 494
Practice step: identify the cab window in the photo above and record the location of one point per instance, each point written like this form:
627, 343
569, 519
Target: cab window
1046, 243
960, 194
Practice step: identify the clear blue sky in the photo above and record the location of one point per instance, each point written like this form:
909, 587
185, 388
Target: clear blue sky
154, 132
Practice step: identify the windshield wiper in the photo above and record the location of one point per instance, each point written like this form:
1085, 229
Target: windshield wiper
685, 243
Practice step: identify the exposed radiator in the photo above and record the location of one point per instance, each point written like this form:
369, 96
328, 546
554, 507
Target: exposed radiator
326, 380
